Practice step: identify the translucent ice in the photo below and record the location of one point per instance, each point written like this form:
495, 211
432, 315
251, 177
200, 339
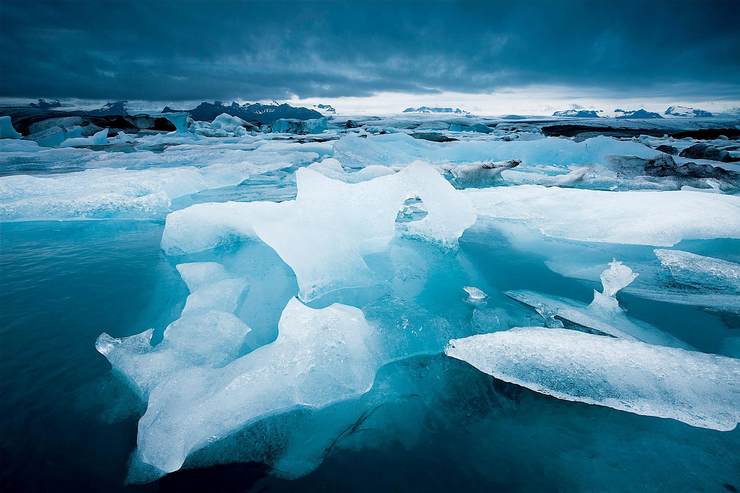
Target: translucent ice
698, 389
638, 217
98, 139
6, 129
320, 357
206, 334
475, 295
700, 271
332, 168
603, 314
325, 232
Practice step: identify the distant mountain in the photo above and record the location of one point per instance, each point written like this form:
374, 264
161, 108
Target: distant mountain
578, 113
686, 111
255, 112
640, 114
427, 109
117, 108
325, 108
46, 104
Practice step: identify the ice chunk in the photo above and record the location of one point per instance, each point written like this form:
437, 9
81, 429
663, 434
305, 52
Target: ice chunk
129, 193
206, 334
698, 389
321, 356
181, 121
638, 217
324, 233
6, 129
603, 314
700, 271
98, 139
475, 295
295, 126
616, 277
478, 175
332, 168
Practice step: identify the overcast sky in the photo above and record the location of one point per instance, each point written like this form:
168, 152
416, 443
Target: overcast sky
355, 51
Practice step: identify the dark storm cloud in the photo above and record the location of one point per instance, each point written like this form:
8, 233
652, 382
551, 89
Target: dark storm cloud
195, 50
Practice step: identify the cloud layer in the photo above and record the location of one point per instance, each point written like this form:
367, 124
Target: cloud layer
188, 50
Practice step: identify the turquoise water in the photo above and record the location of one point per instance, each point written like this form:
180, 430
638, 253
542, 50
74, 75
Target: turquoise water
429, 423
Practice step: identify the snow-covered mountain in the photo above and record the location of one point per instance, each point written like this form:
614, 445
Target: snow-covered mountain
686, 111
427, 109
578, 113
640, 114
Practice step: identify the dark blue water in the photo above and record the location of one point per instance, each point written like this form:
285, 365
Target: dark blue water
433, 424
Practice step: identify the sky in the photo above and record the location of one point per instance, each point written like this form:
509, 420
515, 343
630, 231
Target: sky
488, 57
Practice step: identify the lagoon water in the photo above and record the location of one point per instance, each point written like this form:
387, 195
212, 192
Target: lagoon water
73, 269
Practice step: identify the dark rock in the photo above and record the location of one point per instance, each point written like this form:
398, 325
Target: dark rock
664, 165
432, 136
580, 130
351, 124
704, 151
667, 149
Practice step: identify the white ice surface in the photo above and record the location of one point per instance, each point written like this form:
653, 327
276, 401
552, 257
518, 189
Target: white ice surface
321, 356
638, 217
325, 232
698, 389
400, 149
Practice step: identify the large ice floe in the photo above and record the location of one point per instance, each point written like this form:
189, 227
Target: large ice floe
699, 389
324, 233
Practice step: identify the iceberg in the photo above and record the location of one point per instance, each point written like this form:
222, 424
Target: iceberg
326, 231
207, 332
604, 314
6, 129
294, 126
657, 218
321, 357
695, 388
98, 139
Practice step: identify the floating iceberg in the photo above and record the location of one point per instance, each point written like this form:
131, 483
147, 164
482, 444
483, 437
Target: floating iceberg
325, 232
294, 126
6, 129
332, 168
321, 356
698, 389
638, 217
206, 334
603, 314
98, 139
